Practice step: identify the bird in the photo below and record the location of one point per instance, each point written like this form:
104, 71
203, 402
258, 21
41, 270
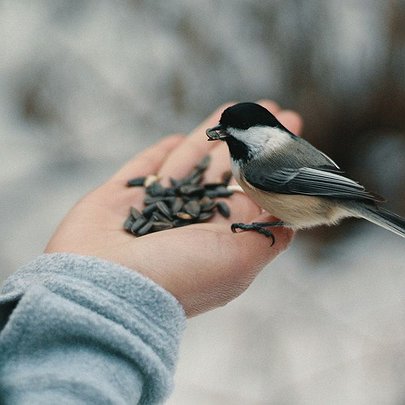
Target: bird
291, 179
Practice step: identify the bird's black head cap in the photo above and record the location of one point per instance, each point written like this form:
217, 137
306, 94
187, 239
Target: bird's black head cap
246, 115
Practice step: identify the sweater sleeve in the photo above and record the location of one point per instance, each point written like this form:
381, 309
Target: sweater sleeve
80, 330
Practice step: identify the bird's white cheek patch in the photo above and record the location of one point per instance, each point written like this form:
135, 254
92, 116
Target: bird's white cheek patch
260, 139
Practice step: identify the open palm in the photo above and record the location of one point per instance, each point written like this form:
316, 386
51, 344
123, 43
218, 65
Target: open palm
203, 265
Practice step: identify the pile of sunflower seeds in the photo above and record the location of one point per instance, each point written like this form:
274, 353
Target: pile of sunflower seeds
186, 202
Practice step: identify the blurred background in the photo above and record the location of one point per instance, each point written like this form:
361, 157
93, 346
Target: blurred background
86, 85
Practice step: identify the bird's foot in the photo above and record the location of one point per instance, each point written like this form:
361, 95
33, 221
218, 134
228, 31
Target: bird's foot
259, 227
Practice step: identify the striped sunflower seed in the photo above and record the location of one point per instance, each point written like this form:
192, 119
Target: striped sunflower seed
223, 209
164, 209
145, 228
204, 216
193, 208
184, 216
139, 223
177, 205
161, 226
147, 211
207, 204
128, 223
136, 182
135, 213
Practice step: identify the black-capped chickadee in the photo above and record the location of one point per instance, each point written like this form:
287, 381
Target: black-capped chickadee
291, 179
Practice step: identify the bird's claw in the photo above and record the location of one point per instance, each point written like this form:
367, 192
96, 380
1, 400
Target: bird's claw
257, 227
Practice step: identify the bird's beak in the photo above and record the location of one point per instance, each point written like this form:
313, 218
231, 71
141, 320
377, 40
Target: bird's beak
214, 134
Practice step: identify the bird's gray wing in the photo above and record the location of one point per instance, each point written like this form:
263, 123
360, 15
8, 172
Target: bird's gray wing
308, 181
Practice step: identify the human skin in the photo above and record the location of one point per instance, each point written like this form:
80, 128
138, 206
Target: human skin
203, 265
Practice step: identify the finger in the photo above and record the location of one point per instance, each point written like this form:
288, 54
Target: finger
192, 150
271, 105
291, 120
220, 163
150, 160
254, 251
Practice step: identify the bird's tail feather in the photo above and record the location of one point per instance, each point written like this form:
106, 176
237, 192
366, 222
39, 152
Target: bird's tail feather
383, 218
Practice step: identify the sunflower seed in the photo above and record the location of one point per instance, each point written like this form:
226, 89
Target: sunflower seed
207, 204
193, 208
226, 177
196, 179
175, 183
212, 186
128, 223
156, 190
178, 222
219, 192
136, 182
203, 165
193, 173
223, 209
192, 190
235, 188
186, 201
170, 192
157, 216
177, 205
140, 222
151, 200
161, 226
135, 213
152, 178
164, 209
147, 211
204, 216
184, 216
145, 229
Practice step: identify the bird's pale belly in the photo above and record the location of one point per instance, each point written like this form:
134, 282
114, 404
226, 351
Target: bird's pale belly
297, 211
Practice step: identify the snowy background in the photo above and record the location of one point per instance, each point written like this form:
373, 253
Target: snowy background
84, 85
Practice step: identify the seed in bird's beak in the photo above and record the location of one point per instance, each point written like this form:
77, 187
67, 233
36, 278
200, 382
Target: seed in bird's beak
213, 134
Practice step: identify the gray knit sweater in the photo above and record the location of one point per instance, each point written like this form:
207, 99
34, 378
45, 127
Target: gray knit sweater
80, 330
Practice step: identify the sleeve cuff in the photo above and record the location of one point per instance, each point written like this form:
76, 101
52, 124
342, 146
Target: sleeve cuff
152, 317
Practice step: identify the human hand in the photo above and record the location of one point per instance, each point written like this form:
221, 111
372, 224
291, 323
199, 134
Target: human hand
203, 265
